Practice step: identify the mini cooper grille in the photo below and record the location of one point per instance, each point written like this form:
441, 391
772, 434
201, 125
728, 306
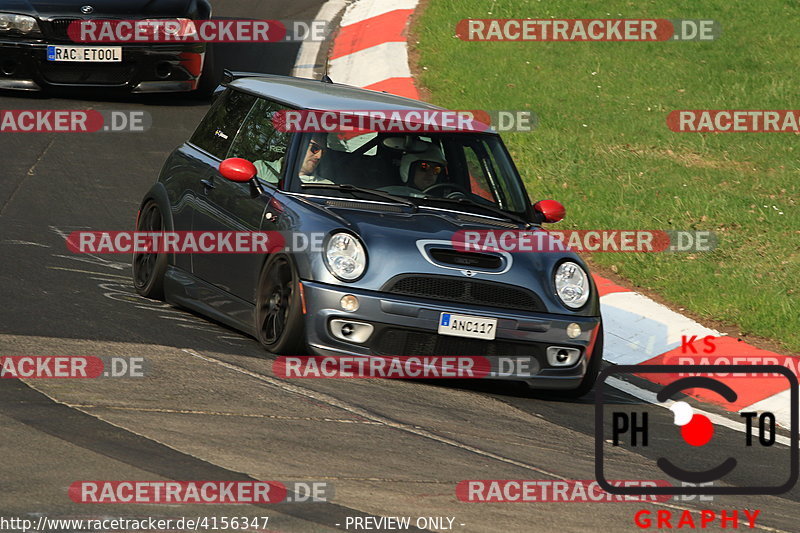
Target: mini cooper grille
396, 341
473, 292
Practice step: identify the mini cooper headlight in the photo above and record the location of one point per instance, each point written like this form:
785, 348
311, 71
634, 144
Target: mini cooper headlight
572, 284
345, 256
20, 23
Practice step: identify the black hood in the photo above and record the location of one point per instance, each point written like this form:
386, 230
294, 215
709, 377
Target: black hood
102, 8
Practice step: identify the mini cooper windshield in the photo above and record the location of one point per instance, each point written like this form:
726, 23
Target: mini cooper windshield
469, 171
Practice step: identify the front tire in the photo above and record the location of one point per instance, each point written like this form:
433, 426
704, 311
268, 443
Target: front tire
279, 318
592, 371
149, 268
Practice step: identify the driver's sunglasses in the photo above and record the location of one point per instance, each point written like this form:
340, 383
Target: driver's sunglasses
433, 167
314, 147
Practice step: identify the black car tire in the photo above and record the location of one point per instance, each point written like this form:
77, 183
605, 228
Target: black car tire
279, 319
209, 80
149, 268
591, 372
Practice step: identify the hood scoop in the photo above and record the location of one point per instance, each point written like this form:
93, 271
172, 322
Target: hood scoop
488, 221
364, 205
466, 260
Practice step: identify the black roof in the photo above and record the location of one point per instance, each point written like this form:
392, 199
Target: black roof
303, 93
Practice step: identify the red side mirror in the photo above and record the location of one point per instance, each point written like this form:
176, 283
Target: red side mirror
237, 169
551, 210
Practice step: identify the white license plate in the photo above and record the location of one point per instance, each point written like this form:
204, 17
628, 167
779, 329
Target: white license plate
85, 54
474, 327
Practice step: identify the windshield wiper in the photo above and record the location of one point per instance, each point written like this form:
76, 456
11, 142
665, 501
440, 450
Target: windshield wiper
467, 202
353, 189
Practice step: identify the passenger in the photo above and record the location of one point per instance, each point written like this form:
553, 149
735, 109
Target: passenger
421, 170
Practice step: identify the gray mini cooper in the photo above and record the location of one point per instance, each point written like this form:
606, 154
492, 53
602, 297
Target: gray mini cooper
370, 267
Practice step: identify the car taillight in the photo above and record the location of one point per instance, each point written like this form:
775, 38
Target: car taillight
192, 62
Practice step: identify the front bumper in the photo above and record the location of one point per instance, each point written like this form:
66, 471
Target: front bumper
405, 326
144, 68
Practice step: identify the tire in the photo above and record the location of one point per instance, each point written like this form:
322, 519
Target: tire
592, 371
149, 268
208, 77
278, 318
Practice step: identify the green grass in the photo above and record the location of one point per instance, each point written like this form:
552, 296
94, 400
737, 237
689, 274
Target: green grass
603, 149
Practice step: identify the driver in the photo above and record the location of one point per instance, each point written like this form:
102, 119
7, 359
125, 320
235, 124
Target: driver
421, 170
315, 150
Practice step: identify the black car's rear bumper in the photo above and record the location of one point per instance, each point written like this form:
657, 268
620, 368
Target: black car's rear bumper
144, 68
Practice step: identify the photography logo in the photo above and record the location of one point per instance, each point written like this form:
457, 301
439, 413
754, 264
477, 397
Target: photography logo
685, 445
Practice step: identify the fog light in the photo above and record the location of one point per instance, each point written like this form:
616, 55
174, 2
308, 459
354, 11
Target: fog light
562, 356
349, 331
349, 303
573, 331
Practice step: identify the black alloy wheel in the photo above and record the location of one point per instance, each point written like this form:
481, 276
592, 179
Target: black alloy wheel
149, 268
279, 318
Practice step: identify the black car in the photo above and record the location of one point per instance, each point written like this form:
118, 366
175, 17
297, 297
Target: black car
385, 278
36, 51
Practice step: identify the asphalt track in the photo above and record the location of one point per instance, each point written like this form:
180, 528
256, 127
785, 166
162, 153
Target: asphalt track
210, 409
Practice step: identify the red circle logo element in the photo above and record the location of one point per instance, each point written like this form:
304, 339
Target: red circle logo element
698, 431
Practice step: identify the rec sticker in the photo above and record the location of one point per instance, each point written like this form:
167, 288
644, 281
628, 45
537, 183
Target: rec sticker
689, 448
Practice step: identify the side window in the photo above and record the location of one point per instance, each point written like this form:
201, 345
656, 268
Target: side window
511, 192
478, 182
218, 129
259, 142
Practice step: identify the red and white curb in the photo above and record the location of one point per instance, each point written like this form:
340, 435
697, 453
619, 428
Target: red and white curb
370, 51
640, 331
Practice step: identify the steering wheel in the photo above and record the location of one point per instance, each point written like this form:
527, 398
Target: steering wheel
458, 190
